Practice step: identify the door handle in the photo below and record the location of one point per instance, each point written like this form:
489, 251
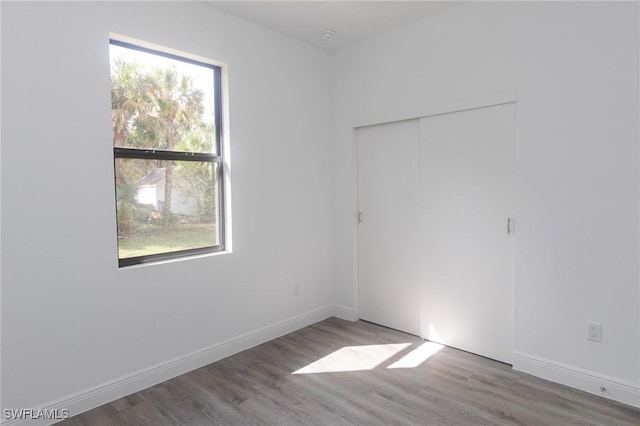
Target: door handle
510, 225
359, 217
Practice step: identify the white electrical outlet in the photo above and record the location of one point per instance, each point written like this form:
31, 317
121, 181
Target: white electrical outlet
594, 331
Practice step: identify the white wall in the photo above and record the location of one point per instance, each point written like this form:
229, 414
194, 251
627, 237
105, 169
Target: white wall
575, 69
70, 318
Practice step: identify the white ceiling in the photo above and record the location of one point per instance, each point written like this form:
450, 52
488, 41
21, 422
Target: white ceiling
351, 20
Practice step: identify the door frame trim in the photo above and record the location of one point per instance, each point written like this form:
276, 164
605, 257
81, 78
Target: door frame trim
436, 108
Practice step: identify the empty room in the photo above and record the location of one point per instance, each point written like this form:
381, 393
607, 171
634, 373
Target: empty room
320, 212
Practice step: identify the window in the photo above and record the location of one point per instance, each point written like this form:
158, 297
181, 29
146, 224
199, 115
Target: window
166, 116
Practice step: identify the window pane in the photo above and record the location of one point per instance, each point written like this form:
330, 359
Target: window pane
161, 103
166, 206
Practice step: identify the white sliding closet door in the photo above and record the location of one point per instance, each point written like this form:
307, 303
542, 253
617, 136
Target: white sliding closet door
467, 210
389, 232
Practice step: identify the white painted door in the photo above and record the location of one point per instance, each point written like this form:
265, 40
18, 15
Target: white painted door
388, 234
467, 205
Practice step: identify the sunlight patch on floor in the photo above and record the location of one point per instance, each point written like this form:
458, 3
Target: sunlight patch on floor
354, 358
417, 356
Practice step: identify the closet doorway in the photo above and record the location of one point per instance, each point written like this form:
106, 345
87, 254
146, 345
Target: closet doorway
436, 237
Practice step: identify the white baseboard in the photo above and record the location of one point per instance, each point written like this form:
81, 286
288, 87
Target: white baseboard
575, 377
87, 399
345, 313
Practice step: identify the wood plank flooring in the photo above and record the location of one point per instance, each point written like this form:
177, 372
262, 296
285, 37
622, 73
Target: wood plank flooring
452, 387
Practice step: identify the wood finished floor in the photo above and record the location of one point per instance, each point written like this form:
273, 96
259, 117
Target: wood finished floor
452, 387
